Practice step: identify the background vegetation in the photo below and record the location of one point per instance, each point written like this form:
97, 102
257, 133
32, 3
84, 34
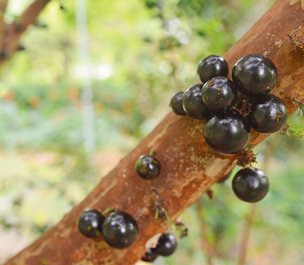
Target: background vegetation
141, 52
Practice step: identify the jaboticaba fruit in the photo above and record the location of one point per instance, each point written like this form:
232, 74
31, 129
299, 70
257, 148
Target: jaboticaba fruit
226, 133
147, 167
268, 114
218, 93
119, 229
254, 74
150, 255
90, 223
250, 184
176, 103
212, 66
193, 103
166, 244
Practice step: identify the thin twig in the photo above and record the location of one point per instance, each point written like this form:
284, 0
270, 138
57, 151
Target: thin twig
205, 243
17, 28
246, 235
3, 6
251, 214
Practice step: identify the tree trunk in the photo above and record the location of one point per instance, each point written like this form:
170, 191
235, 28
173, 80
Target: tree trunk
189, 167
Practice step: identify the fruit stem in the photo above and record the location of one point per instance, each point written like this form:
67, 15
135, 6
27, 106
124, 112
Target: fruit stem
206, 245
246, 235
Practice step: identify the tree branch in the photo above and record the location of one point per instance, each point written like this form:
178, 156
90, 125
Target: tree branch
14, 31
189, 167
3, 6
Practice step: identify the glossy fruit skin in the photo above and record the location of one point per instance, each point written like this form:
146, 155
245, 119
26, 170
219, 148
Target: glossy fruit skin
90, 223
227, 133
150, 255
250, 184
176, 103
254, 74
166, 244
211, 67
119, 229
147, 167
193, 103
218, 93
268, 114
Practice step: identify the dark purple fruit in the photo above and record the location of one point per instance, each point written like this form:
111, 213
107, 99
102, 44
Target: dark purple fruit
218, 93
250, 184
119, 229
193, 103
227, 133
166, 244
268, 114
90, 223
150, 255
212, 66
147, 166
254, 74
176, 103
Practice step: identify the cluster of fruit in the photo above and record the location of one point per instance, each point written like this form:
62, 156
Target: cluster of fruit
231, 108
119, 229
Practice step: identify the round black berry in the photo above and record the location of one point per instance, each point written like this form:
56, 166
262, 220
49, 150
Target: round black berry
119, 229
90, 223
227, 133
147, 166
166, 244
254, 74
268, 114
150, 255
218, 93
250, 184
212, 66
176, 103
193, 103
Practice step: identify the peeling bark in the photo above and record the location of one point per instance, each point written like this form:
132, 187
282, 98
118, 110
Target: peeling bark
189, 167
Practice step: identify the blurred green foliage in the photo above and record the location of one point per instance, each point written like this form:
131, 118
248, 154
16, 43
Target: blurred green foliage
141, 52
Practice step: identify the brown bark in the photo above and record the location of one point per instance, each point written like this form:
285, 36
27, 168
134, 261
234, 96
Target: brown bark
189, 168
11, 34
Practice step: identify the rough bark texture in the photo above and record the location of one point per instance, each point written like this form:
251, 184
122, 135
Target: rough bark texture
189, 167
